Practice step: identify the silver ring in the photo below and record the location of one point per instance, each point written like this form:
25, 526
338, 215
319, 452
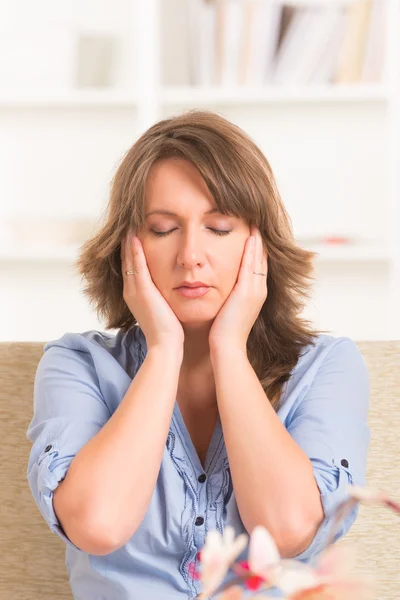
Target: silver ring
259, 273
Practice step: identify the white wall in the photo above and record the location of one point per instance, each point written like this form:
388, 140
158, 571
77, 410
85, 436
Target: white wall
330, 160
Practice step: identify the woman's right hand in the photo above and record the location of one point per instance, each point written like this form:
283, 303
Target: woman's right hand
156, 318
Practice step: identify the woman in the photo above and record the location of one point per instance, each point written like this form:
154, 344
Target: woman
215, 403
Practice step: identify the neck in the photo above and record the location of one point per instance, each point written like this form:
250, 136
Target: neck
196, 381
196, 350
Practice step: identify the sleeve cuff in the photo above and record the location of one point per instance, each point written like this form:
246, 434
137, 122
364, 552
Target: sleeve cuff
47, 482
330, 500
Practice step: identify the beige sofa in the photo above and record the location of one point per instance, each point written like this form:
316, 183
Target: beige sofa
32, 563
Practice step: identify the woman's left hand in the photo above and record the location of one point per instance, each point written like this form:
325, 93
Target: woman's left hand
237, 315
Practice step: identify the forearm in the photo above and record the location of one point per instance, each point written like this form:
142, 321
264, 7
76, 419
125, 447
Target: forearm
112, 478
272, 476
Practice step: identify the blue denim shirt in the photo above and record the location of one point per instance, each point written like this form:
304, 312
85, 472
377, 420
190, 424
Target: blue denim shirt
81, 380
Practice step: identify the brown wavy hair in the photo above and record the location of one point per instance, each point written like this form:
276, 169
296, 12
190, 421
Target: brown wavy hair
242, 183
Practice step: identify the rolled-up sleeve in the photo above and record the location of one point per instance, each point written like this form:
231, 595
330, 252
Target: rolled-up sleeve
331, 425
68, 411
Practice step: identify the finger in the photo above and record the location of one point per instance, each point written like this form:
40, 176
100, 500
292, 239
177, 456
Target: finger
139, 261
247, 265
127, 253
123, 254
265, 262
261, 255
138, 255
264, 258
261, 261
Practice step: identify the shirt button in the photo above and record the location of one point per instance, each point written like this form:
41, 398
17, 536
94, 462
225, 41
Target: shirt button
202, 478
49, 447
199, 521
344, 463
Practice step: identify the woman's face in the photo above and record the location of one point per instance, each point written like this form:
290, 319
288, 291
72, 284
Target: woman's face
192, 250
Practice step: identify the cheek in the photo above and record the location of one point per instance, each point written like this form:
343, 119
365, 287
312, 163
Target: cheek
229, 264
154, 260
236, 255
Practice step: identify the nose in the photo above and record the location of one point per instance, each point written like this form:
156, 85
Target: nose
191, 252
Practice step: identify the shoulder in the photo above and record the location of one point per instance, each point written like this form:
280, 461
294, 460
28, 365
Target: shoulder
329, 363
96, 350
327, 348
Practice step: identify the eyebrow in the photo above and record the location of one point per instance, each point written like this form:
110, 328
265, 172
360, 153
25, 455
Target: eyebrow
172, 214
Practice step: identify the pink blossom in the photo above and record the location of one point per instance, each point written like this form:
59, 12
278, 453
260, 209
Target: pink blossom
217, 555
331, 578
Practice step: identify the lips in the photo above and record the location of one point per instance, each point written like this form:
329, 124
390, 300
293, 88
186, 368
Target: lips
194, 284
192, 287
193, 292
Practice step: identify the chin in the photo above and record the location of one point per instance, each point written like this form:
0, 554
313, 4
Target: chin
199, 320
196, 318
197, 328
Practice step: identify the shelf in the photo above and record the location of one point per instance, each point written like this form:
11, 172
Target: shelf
196, 95
326, 253
66, 254
66, 99
318, 2
183, 95
350, 253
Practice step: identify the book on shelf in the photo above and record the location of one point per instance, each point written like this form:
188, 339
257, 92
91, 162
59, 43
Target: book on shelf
261, 26
351, 52
229, 33
327, 59
202, 35
374, 55
310, 29
258, 42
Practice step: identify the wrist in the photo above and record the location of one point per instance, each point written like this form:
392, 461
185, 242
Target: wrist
170, 354
226, 350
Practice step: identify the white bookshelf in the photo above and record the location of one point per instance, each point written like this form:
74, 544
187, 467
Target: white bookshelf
198, 95
325, 253
149, 97
68, 99
212, 96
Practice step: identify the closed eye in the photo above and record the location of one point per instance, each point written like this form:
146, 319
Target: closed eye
164, 233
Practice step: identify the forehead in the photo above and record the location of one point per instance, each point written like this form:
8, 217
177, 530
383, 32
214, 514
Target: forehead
169, 213
175, 185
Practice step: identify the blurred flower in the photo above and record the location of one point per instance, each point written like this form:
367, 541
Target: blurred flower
233, 593
331, 578
217, 555
368, 495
